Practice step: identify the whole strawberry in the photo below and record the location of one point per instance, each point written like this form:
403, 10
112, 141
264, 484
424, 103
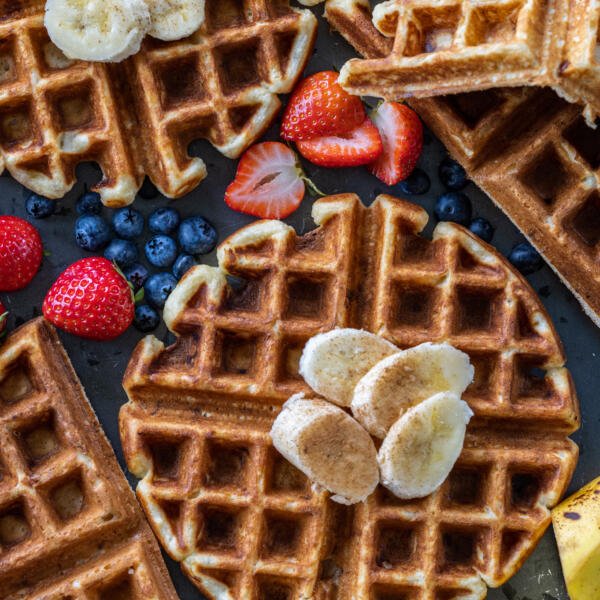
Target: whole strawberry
20, 253
3, 315
320, 107
90, 299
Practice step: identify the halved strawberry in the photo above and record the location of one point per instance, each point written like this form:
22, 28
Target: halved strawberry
402, 136
360, 146
319, 106
268, 183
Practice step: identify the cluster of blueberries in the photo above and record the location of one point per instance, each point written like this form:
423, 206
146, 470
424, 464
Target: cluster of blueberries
455, 206
172, 249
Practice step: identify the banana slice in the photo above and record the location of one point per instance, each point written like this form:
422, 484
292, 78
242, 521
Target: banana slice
404, 379
421, 448
332, 363
175, 19
97, 30
328, 446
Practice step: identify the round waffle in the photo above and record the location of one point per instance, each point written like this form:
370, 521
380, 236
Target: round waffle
242, 521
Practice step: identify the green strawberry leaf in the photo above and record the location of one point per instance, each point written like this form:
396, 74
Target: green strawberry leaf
139, 296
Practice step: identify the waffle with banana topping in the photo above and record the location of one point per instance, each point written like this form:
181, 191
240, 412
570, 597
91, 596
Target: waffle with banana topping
241, 520
140, 117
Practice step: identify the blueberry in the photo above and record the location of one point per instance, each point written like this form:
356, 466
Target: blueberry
122, 252
183, 264
89, 204
525, 258
416, 183
164, 220
158, 287
39, 207
483, 228
161, 251
148, 190
197, 236
136, 274
92, 232
453, 206
452, 175
146, 318
128, 223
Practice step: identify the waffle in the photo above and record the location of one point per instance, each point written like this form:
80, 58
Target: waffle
140, 117
242, 521
455, 46
70, 527
529, 150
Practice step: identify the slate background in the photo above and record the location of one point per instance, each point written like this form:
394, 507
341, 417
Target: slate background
101, 365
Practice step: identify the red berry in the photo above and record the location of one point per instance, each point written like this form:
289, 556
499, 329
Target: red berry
360, 146
267, 183
402, 135
319, 106
90, 299
20, 253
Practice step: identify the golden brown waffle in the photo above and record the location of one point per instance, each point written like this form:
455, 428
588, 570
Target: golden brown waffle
140, 116
531, 151
453, 46
241, 520
70, 527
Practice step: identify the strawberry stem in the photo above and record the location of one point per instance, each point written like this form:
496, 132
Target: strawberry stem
312, 188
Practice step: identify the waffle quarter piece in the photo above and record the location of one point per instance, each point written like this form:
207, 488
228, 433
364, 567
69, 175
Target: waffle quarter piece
452, 46
140, 117
532, 152
70, 527
242, 521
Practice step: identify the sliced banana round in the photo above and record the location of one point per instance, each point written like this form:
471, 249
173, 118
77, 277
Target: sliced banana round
175, 19
421, 448
328, 446
97, 30
406, 378
332, 363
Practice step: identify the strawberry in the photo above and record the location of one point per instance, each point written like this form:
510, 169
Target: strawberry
360, 146
20, 253
402, 135
319, 106
3, 316
91, 299
268, 183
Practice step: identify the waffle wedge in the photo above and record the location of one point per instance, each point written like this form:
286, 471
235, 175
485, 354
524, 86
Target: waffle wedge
70, 526
450, 46
532, 152
140, 117
241, 520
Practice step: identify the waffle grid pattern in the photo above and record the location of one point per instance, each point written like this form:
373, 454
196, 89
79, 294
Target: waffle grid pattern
501, 473
527, 148
220, 84
57, 505
457, 45
55, 113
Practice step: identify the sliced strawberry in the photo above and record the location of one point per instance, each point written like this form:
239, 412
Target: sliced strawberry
360, 146
319, 106
402, 136
268, 182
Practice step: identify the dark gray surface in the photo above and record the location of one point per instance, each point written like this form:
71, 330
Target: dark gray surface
101, 365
